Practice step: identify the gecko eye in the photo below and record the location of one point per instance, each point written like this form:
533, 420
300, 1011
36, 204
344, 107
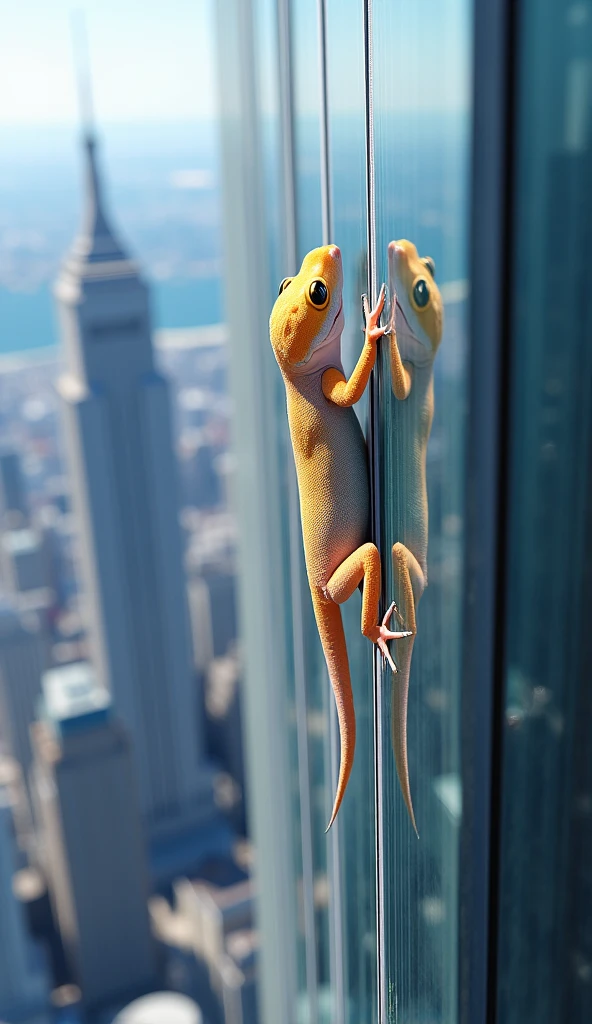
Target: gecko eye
429, 263
284, 285
318, 293
420, 295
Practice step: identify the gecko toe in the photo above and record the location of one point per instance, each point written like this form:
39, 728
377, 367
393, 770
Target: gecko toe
393, 610
398, 615
386, 653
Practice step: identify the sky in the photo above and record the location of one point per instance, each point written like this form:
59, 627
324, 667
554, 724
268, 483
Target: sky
151, 60
154, 60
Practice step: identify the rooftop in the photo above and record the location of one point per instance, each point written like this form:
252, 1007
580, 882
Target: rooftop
17, 542
72, 697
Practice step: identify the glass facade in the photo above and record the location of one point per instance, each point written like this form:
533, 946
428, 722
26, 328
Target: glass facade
545, 882
422, 111
369, 122
421, 173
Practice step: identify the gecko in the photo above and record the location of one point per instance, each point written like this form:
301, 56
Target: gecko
415, 330
332, 468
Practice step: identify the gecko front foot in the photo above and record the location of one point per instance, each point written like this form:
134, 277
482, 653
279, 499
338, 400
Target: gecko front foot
382, 633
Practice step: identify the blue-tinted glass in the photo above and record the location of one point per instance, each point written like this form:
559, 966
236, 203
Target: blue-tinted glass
422, 156
545, 886
347, 165
319, 1005
271, 128
307, 144
421, 106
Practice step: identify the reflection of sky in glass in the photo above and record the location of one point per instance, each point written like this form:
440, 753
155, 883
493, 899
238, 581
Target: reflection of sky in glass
422, 144
421, 131
425, 32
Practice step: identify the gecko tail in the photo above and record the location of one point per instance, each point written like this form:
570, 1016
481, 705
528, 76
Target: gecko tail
347, 734
400, 699
330, 626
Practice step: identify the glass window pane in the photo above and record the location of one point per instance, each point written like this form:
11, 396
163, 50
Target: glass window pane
319, 1006
422, 107
545, 885
307, 138
347, 164
421, 161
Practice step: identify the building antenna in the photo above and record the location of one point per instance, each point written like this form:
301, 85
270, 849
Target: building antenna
97, 239
81, 58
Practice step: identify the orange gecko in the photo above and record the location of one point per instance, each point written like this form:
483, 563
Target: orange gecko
332, 468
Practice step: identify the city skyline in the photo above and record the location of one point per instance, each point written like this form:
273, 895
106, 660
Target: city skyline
126, 455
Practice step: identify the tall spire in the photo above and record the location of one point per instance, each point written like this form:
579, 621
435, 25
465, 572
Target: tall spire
96, 242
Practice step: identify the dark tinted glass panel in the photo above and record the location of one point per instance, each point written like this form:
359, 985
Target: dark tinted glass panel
545, 944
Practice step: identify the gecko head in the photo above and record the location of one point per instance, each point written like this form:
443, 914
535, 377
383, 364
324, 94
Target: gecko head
308, 310
418, 311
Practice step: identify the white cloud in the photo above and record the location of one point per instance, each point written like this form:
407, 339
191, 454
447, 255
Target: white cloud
194, 178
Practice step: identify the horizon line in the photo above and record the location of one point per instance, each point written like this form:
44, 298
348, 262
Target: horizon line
73, 124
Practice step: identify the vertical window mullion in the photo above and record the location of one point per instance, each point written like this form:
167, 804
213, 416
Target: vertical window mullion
326, 197
485, 508
335, 917
373, 448
297, 582
258, 495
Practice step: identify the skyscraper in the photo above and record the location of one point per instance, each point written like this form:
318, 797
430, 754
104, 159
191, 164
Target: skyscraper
24, 564
21, 666
13, 502
92, 840
118, 427
23, 986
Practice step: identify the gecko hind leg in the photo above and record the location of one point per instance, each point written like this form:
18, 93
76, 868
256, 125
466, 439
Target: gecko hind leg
364, 564
409, 584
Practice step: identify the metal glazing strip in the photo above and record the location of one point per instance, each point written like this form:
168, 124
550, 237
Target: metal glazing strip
336, 918
284, 66
370, 165
303, 753
253, 379
326, 197
336, 921
373, 447
285, 79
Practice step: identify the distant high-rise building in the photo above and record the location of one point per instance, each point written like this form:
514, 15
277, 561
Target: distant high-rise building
22, 662
223, 708
24, 565
219, 925
124, 477
91, 837
24, 988
13, 502
202, 481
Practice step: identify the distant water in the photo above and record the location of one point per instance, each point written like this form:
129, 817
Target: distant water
173, 229
160, 183
29, 321
26, 320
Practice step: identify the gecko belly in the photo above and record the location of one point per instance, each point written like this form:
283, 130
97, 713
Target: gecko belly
333, 475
